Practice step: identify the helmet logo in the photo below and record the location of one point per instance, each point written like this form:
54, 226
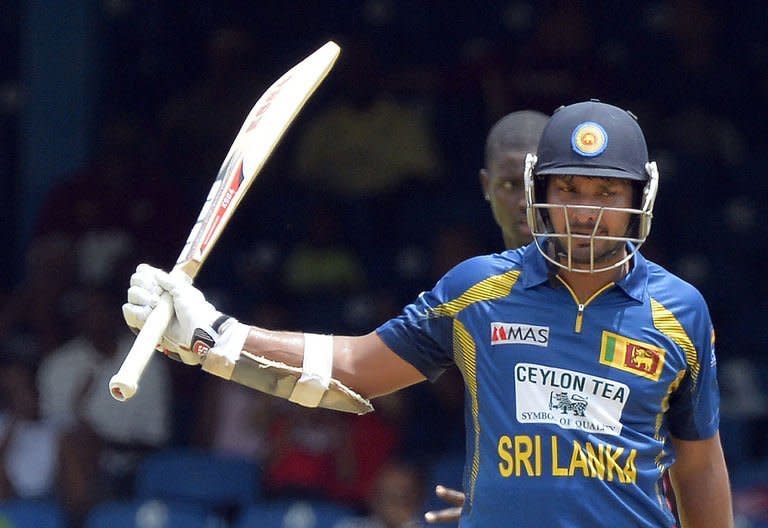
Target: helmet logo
589, 139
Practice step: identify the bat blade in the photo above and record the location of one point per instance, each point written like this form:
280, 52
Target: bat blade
260, 133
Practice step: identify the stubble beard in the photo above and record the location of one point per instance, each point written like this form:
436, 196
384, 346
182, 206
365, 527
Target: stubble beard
582, 255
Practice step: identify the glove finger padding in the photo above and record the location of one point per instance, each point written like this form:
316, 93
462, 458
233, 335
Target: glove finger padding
135, 315
144, 295
145, 277
173, 281
139, 296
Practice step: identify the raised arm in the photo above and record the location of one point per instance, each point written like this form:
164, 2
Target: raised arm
700, 480
336, 372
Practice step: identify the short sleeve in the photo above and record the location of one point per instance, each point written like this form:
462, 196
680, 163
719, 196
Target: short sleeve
421, 337
694, 407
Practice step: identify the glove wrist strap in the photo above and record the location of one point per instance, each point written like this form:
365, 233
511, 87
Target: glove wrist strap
221, 356
205, 338
221, 323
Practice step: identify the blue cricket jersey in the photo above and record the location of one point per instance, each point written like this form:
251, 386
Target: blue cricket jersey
569, 407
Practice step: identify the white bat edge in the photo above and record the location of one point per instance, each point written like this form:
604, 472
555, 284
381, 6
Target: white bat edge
125, 382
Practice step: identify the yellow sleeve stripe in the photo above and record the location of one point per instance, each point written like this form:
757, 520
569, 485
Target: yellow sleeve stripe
493, 287
465, 356
666, 323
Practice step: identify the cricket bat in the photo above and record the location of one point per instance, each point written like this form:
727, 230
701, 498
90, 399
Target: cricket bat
265, 124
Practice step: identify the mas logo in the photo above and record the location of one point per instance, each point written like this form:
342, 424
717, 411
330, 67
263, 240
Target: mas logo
632, 356
519, 333
589, 139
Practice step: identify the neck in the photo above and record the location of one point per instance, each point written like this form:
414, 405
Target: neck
513, 241
585, 285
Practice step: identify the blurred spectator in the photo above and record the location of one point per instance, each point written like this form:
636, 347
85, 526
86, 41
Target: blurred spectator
29, 453
395, 500
323, 262
103, 439
370, 138
233, 420
32, 315
750, 506
374, 438
364, 145
321, 272
698, 35
118, 205
310, 451
329, 455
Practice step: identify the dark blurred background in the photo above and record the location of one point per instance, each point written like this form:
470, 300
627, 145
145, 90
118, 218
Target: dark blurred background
116, 114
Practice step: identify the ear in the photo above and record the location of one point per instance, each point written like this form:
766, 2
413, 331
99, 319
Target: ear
485, 184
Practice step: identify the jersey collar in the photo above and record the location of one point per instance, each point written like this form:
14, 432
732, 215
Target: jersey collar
536, 271
635, 283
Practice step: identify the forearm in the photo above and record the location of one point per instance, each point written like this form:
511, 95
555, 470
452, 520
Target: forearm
363, 363
284, 347
335, 372
702, 491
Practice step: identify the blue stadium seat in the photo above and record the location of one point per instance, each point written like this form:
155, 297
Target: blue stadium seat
198, 476
152, 513
25, 513
293, 514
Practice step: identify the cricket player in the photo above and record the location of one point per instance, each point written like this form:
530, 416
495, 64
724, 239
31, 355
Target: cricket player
589, 370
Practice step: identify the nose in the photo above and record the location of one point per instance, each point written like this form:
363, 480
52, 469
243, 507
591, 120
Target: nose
580, 216
521, 202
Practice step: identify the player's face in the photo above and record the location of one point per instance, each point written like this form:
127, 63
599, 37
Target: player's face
593, 192
503, 184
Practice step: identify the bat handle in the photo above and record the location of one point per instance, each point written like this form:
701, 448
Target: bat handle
125, 383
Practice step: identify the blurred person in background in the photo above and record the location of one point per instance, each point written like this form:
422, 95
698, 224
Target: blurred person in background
365, 145
29, 445
395, 499
501, 179
32, 316
102, 440
108, 209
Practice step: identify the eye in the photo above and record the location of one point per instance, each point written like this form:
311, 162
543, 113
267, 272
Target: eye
509, 185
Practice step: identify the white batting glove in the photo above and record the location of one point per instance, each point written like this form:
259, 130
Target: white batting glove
191, 330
